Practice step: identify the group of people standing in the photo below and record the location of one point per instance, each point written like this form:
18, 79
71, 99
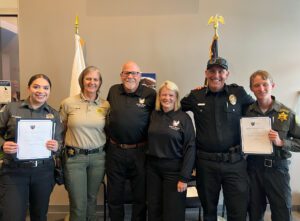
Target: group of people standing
149, 139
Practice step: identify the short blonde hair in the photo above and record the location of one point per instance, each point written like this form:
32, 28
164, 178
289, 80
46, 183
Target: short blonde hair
85, 72
263, 74
171, 86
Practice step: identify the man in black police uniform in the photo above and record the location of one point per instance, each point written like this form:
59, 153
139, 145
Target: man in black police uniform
131, 104
269, 174
217, 111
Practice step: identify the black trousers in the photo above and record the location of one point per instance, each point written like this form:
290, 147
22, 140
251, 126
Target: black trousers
20, 187
232, 178
123, 164
165, 203
272, 183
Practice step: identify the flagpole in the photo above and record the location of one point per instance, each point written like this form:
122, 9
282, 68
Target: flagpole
76, 25
78, 62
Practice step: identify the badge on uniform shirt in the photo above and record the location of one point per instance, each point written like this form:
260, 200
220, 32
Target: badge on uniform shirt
232, 99
141, 102
49, 116
100, 110
282, 116
15, 116
175, 125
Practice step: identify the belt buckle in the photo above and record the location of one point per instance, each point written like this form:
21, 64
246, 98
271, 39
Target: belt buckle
268, 163
123, 146
33, 163
71, 152
86, 152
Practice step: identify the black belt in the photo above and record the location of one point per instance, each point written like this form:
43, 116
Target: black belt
220, 157
27, 164
128, 146
76, 150
268, 161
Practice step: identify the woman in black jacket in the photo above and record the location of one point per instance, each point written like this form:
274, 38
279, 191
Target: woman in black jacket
171, 156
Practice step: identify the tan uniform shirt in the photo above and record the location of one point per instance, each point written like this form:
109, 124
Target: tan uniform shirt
84, 121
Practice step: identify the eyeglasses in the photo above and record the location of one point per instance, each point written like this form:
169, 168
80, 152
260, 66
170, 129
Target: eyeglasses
133, 73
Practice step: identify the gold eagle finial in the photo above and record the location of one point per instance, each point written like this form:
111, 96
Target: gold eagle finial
215, 21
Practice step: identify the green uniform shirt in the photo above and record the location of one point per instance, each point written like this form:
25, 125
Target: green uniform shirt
84, 121
22, 109
284, 122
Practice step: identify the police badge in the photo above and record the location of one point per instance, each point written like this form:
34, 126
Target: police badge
282, 116
100, 110
232, 99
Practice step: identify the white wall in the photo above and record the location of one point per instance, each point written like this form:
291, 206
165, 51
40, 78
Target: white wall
170, 38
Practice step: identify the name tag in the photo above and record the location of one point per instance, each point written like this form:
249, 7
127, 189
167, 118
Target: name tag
201, 104
15, 116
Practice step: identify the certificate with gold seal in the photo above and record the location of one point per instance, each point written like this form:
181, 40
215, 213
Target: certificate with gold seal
254, 133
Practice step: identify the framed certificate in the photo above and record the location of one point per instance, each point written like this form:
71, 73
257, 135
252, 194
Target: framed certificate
254, 133
31, 137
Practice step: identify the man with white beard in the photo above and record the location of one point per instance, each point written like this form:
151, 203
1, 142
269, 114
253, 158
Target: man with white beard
131, 104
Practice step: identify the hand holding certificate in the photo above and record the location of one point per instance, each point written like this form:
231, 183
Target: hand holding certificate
254, 132
32, 136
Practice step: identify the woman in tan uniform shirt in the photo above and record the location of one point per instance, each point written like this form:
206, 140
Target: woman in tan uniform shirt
84, 118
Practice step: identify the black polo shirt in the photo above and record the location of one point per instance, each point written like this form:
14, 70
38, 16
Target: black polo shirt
171, 136
217, 116
129, 113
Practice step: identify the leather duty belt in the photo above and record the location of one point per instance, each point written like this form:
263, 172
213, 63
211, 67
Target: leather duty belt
128, 146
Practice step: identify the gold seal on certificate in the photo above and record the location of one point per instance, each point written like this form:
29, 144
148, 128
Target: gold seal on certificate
254, 133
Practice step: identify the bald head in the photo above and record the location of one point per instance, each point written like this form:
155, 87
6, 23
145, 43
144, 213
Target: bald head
130, 76
131, 66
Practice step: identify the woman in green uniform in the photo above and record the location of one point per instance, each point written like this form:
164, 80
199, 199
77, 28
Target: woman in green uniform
26, 183
83, 116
